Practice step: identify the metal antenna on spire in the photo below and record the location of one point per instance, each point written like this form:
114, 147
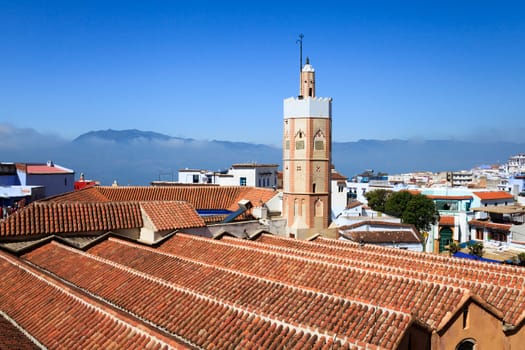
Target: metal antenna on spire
300, 41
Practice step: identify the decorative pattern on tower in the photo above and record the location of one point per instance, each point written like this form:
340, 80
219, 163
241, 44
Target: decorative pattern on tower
307, 156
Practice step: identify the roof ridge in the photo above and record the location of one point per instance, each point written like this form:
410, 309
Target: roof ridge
380, 273
202, 296
67, 290
29, 336
253, 276
402, 259
501, 269
432, 285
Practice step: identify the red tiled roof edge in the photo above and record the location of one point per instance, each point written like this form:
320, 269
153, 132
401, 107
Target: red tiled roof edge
446, 220
377, 223
493, 195
488, 224
46, 218
172, 215
105, 310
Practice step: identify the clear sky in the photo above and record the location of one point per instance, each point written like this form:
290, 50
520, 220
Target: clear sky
220, 69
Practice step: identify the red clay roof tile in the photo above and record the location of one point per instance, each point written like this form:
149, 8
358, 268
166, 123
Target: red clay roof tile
46, 218
201, 197
446, 221
493, 195
172, 215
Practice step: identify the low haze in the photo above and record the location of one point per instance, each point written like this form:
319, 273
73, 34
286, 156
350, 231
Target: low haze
211, 70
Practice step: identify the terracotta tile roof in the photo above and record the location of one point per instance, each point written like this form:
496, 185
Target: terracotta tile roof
269, 293
185, 309
384, 236
488, 224
12, 337
291, 305
307, 271
370, 231
201, 197
354, 204
500, 285
493, 195
49, 217
377, 223
446, 221
89, 194
45, 218
46, 169
57, 316
172, 215
335, 176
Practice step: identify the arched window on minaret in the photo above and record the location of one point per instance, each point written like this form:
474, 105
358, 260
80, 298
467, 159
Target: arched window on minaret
319, 208
319, 141
299, 140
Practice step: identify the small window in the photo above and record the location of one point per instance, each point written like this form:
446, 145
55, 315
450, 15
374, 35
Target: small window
319, 145
467, 344
243, 181
195, 179
299, 144
465, 317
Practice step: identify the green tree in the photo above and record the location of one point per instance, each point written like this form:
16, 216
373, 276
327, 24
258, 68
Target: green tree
476, 249
397, 202
421, 212
377, 199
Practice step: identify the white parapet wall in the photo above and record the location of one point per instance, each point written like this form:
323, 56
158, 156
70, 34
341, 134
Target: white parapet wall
316, 107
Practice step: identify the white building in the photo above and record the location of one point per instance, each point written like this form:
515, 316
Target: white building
242, 174
340, 192
515, 164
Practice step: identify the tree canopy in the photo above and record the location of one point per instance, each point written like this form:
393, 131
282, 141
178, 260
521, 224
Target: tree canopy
377, 199
415, 209
397, 202
421, 212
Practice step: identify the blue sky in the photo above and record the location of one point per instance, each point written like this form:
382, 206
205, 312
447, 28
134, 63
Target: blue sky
220, 69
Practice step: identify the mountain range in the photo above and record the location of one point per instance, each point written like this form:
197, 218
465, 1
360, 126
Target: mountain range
135, 157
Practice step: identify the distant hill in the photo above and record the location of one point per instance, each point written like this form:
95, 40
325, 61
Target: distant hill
135, 157
139, 157
122, 136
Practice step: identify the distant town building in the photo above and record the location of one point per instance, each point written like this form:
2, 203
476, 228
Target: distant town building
515, 165
241, 174
82, 183
383, 233
54, 178
23, 183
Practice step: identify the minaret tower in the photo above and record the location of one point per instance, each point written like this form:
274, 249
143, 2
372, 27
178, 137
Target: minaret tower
307, 157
